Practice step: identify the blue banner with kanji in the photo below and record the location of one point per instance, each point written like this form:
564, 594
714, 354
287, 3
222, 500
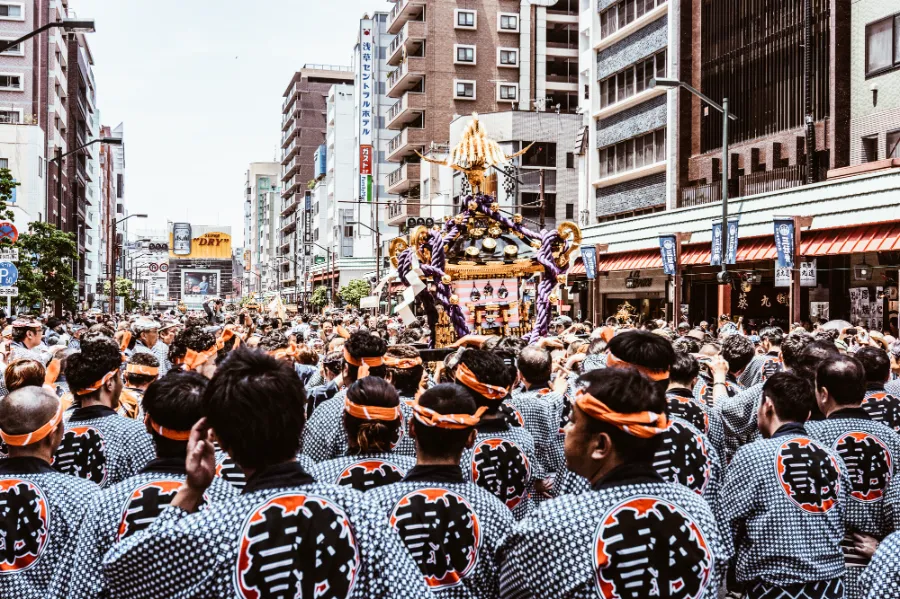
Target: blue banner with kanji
784, 242
589, 257
667, 249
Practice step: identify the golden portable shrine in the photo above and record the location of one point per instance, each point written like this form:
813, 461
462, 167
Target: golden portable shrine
475, 268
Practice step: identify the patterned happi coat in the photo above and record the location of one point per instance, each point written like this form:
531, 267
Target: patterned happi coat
784, 500
103, 447
363, 472
450, 527
683, 404
41, 511
882, 405
871, 452
125, 509
733, 421
882, 578
283, 536
629, 536
539, 409
228, 470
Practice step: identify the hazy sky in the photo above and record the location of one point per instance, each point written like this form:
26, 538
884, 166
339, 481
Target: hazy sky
199, 87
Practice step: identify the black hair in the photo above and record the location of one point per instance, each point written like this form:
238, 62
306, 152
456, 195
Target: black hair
686, 345
597, 346
645, 349
97, 358
792, 396
508, 356
175, 402
489, 369
333, 361
371, 436
876, 363
684, 369
845, 379
773, 335
274, 340
363, 344
406, 380
141, 359
737, 351
257, 407
535, 365
625, 391
792, 347
19, 333
435, 442
517, 344
194, 338
814, 354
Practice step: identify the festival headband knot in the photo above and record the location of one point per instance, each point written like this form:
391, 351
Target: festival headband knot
402, 363
142, 369
644, 425
227, 334
372, 412
612, 361
125, 341
99, 383
291, 351
370, 362
167, 433
193, 359
467, 378
34, 436
430, 418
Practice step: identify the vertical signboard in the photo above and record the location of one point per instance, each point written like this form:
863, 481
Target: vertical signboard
589, 257
667, 247
367, 92
715, 256
784, 242
181, 239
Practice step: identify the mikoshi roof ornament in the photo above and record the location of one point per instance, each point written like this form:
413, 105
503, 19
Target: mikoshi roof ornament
467, 241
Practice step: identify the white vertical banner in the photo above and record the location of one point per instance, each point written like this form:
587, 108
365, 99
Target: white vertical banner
367, 88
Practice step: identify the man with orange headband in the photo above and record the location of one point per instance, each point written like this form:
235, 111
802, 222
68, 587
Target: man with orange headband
502, 459
41, 508
141, 370
325, 437
195, 349
784, 501
99, 444
171, 407
632, 534
450, 526
284, 534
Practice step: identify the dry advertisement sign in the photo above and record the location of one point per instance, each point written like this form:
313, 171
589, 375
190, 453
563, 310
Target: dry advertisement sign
203, 242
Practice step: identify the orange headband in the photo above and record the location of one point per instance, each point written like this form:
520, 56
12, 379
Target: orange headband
372, 412
98, 384
34, 437
167, 433
467, 378
227, 334
52, 372
429, 417
370, 362
193, 360
291, 351
639, 424
402, 363
654, 375
141, 369
126, 339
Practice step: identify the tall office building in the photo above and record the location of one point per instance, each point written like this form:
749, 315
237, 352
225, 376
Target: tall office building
263, 206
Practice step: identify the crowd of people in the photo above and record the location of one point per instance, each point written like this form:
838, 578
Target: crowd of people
338, 455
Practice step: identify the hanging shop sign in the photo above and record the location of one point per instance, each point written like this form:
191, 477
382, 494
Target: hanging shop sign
784, 242
808, 274
589, 258
667, 249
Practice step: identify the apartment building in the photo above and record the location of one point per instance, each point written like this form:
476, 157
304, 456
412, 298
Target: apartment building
470, 56
111, 207
262, 207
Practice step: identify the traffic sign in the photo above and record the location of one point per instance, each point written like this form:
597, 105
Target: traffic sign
8, 254
8, 231
9, 274
163, 267
9, 291
153, 266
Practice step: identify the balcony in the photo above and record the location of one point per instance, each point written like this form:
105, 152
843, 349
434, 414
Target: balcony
287, 120
410, 39
289, 151
406, 110
406, 76
288, 225
292, 185
402, 209
405, 143
403, 11
291, 168
752, 184
405, 177
287, 136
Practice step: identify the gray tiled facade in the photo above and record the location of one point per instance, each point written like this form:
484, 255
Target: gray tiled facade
637, 46
632, 195
646, 116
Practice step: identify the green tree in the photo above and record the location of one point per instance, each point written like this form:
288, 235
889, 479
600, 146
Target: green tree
7, 184
46, 255
319, 296
354, 291
125, 288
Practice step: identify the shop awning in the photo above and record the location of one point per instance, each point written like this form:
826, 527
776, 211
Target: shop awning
577, 269
881, 237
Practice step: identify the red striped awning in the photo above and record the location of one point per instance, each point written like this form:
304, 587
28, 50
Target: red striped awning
881, 237
577, 268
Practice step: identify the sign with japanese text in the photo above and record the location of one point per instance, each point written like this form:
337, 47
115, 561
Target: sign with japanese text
366, 74
8, 254
715, 255
589, 257
784, 242
667, 249
808, 274
782, 276
365, 188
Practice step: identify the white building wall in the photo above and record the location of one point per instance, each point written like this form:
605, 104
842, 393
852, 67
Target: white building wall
22, 146
265, 221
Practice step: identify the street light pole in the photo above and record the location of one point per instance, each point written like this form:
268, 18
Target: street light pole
112, 260
73, 25
377, 247
58, 158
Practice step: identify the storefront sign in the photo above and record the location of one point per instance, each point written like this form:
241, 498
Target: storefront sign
667, 249
638, 283
365, 160
715, 256
731, 253
808, 274
589, 257
782, 277
784, 242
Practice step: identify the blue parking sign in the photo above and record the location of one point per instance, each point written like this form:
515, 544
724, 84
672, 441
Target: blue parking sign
9, 274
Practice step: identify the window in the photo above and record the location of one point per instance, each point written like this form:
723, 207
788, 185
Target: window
870, 148
11, 82
540, 154
893, 144
509, 22
881, 45
348, 230
570, 159
4, 162
570, 211
17, 50
464, 90
507, 57
634, 153
531, 204
508, 92
12, 11
465, 54
10, 117
634, 79
465, 19
623, 13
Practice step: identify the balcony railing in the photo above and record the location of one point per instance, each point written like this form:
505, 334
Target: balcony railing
752, 184
403, 209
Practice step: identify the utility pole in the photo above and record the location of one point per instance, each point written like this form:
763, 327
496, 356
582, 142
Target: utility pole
58, 160
807, 91
543, 203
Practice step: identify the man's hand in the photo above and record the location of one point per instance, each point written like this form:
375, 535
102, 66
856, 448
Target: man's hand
718, 366
543, 487
550, 343
861, 545
201, 468
475, 341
